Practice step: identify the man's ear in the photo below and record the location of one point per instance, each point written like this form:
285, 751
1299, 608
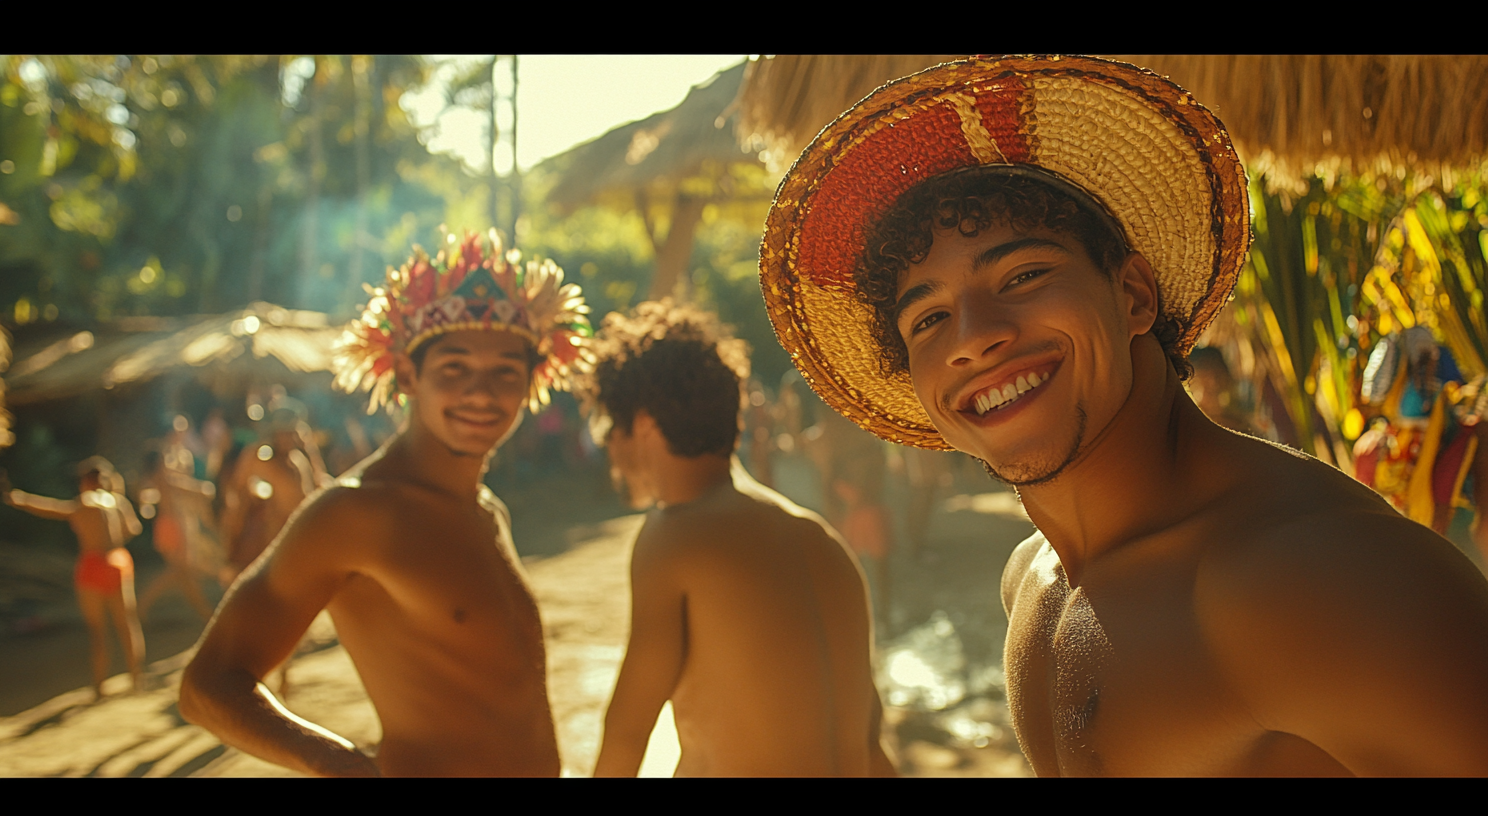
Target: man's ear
1139, 293
644, 425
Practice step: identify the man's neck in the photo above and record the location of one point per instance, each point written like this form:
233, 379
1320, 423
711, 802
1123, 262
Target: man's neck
1142, 474
418, 456
683, 479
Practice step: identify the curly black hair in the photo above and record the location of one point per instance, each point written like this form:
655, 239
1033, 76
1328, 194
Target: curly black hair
676, 362
970, 201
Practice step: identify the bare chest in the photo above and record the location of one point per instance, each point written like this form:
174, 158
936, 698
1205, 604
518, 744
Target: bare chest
448, 583
1111, 678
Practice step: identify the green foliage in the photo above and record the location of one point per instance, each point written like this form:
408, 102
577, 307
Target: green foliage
1349, 260
173, 185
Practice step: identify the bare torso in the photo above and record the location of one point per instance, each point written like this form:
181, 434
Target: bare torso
1151, 666
445, 634
777, 677
101, 521
270, 490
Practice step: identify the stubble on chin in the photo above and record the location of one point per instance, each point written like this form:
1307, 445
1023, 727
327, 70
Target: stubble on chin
1029, 474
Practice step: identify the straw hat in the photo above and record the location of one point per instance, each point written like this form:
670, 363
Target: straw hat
1140, 146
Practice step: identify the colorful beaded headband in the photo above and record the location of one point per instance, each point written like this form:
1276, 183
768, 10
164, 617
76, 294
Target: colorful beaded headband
469, 285
1138, 145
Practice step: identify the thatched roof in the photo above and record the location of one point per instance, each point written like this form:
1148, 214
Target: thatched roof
1291, 112
299, 341
671, 144
787, 99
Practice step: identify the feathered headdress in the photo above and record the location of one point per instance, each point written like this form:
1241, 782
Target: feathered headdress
468, 285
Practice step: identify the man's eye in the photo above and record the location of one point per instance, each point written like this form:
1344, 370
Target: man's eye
1024, 277
926, 322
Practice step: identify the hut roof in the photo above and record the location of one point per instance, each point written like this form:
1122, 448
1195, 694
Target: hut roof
1291, 111
671, 144
123, 353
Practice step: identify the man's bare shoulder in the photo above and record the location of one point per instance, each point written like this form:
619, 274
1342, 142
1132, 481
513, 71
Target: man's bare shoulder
352, 512
745, 519
1318, 561
1018, 565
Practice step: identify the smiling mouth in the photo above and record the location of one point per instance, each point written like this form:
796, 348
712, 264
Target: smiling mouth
1000, 396
485, 420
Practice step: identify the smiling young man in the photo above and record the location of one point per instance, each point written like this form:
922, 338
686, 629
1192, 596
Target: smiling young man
747, 612
408, 551
1027, 248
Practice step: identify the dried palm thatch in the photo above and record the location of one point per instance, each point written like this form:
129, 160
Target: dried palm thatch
787, 99
1287, 113
669, 145
1290, 113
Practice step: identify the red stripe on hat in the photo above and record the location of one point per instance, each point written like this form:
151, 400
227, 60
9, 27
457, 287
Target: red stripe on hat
1000, 107
867, 181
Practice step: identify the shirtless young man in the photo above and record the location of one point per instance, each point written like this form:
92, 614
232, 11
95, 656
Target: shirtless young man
1030, 250
103, 520
747, 611
409, 552
269, 480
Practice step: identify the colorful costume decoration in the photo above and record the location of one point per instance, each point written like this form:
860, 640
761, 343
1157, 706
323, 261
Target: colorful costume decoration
1420, 454
1127, 141
468, 285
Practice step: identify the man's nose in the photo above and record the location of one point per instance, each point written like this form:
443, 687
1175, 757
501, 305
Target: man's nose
489, 384
979, 327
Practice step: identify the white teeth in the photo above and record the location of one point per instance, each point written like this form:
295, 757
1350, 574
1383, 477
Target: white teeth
997, 398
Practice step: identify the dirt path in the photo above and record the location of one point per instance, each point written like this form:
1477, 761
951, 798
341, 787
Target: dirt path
940, 669
585, 601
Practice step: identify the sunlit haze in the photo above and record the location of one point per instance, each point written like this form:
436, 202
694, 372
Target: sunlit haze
562, 100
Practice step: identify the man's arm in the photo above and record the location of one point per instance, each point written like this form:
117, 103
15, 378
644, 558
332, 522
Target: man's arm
256, 628
56, 509
132, 524
1368, 637
653, 660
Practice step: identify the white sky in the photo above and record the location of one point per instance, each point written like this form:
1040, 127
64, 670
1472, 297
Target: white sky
562, 100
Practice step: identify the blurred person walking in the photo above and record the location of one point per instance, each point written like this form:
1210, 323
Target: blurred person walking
176, 498
267, 482
103, 520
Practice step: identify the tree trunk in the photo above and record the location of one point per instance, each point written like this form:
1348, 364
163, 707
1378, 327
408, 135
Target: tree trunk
362, 92
310, 223
675, 254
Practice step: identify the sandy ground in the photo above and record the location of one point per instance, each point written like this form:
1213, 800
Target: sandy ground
940, 642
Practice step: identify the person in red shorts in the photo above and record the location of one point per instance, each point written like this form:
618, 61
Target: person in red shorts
103, 520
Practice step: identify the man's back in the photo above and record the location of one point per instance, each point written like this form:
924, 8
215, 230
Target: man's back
1261, 635
777, 676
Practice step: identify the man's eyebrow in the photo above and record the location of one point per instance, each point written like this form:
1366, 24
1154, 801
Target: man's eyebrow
915, 293
997, 253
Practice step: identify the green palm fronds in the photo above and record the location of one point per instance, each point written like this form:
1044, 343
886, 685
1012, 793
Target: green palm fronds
1345, 263
1298, 296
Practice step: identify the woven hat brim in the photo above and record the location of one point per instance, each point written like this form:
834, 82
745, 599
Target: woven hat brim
1141, 147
